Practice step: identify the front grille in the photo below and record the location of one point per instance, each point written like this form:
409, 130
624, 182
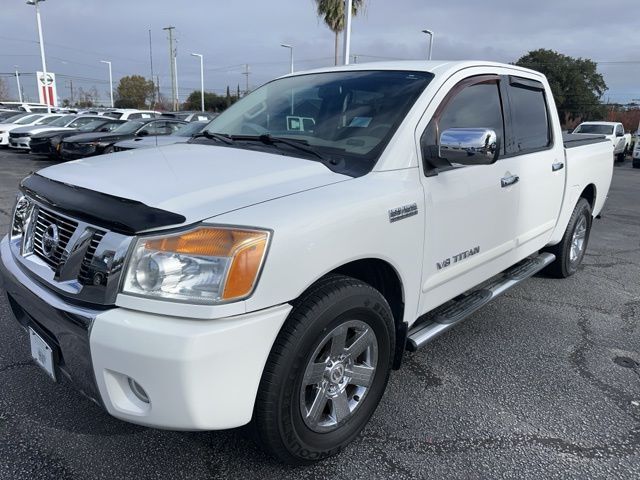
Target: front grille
83, 275
65, 227
84, 261
18, 135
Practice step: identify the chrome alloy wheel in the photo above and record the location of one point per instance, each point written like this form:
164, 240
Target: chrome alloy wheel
338, 376
578, 240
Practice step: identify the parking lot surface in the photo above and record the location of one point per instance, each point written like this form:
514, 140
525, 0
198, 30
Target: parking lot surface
542, 383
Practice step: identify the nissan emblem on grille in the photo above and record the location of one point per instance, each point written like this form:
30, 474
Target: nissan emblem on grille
50, 240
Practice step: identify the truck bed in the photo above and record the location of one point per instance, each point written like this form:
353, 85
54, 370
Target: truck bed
572, 140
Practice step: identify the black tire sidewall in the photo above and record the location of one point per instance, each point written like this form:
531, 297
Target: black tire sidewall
355, 303
582, 210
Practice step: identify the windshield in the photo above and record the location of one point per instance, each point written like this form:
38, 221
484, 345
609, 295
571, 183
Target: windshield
62, 121
595, 129
347, 117
27, 119
91, 126
129, 127
14, 118
47, 120
190, 129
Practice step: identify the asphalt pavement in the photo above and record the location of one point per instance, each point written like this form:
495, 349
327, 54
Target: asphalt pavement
542, 383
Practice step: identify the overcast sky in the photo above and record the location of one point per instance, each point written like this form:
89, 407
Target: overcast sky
79, 33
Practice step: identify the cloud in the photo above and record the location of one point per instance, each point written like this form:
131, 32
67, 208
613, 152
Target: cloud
78, 34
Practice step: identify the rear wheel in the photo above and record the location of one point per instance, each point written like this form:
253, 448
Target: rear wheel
108, 149
327, 371
571, 249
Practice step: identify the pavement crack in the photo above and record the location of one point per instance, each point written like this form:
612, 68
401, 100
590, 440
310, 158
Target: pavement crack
578, 360
16, 365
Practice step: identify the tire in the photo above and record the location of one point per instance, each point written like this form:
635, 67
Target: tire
620, 157
566, 262
284, 420
108, 149
636, 163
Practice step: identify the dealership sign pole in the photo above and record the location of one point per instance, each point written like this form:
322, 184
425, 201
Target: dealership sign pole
19, 86
47, 91
347, 30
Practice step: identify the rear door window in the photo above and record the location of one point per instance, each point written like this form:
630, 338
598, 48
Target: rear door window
530, 127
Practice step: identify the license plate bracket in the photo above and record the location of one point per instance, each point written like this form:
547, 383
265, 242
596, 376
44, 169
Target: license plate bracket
42, 353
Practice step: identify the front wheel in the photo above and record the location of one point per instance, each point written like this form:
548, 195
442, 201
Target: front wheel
327, 371
571, 249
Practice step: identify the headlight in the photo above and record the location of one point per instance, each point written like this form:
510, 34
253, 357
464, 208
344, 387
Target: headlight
205, 265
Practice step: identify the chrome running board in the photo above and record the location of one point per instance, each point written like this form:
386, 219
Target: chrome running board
460, 308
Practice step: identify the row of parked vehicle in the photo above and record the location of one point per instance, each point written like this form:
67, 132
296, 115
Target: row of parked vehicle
71, 136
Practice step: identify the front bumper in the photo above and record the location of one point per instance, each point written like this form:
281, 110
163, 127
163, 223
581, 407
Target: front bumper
42, 147
197, 374
78, 151
21, 143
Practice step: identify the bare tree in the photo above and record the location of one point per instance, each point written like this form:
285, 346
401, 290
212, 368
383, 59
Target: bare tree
4, 90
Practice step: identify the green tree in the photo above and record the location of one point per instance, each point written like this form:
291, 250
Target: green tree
332, 12
575, 82
134, 91
212, 102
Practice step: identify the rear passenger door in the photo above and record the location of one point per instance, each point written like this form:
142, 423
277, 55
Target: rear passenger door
539, 156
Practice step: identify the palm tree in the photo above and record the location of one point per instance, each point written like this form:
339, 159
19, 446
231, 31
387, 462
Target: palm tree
332, 12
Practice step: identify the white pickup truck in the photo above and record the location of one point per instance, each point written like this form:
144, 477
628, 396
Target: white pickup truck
614, 131
275, 269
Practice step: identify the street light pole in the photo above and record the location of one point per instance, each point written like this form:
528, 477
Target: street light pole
430, 33
47, 100
348, 5
201, 78
290, 47
110, 80
18, 82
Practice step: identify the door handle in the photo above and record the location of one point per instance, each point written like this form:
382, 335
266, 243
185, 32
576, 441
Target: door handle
557, 166
511, 180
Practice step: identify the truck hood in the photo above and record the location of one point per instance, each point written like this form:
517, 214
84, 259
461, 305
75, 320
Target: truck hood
196, 181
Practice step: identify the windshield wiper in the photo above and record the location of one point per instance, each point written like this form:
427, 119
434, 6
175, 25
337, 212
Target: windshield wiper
215, 136
268, 139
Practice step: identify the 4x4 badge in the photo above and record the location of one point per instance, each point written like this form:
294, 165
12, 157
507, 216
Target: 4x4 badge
401, 213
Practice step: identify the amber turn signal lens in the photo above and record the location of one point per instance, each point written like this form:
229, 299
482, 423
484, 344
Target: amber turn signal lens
244, 268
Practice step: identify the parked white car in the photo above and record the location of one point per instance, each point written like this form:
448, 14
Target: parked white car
636, 150
22, 121
131, 114
27, 107
20, 138
272, 274
614, 131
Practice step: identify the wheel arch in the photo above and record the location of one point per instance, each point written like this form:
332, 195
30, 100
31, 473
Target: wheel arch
589, 194
384, 277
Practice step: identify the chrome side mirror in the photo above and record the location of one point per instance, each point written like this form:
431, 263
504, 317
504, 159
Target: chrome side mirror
469, 146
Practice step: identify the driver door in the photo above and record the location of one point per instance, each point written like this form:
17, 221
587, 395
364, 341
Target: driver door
471, 210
